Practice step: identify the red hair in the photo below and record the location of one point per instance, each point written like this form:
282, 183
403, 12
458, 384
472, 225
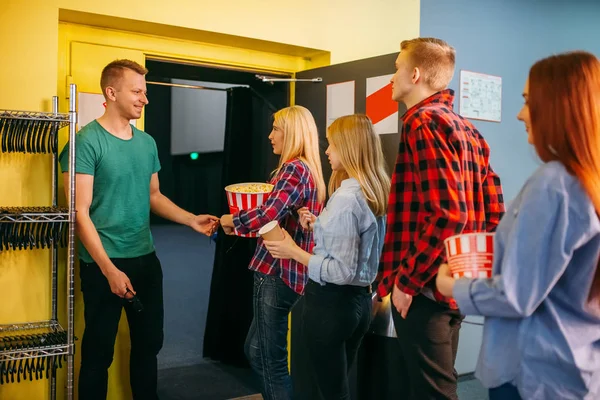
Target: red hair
564, 107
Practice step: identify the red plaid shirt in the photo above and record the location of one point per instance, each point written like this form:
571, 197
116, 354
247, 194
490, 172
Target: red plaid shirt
442, 185
294, 189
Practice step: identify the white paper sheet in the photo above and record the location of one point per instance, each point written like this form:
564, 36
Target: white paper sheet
91, 106
480, 96
382, 110
340, 100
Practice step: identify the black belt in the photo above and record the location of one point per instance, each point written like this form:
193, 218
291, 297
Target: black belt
360, 289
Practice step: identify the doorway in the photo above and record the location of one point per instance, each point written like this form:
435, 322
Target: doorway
187, 117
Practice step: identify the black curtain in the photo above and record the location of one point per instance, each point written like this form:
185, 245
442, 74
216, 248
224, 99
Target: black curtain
188, 183
247, 158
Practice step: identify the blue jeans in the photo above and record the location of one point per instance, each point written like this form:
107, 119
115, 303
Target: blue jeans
266, 343
504, 392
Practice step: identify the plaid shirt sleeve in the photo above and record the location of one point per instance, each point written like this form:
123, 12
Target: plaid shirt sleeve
494, 200
286, 196
438, 181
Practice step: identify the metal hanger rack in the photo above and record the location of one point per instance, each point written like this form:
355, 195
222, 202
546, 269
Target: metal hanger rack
35, 350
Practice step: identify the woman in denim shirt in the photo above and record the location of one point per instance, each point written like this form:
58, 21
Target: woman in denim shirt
348, 237
541, 336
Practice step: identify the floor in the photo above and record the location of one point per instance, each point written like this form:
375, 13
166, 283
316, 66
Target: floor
212, 381
207, 381
471, 389
187, 260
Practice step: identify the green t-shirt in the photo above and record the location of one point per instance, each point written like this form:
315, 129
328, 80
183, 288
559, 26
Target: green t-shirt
122, 170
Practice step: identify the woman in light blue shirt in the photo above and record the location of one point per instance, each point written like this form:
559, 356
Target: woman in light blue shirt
348, 238
541, 336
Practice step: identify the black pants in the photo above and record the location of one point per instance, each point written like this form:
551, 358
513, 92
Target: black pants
102, 312
334, 321
428, 340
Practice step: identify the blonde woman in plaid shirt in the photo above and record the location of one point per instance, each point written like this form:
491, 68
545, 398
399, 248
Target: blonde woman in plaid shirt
298, 183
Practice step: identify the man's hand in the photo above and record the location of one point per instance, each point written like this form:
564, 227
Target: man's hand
401, 301
206, 224
227, 224
119, 282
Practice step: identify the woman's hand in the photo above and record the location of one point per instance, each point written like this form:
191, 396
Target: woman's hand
444, 281
227, 224
307, 219
284, 249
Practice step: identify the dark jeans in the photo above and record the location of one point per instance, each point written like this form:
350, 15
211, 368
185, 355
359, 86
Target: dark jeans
266, 343
102, 312
504, 392
428, 340
334, 320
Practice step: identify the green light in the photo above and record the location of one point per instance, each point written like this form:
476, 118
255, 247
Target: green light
194, 156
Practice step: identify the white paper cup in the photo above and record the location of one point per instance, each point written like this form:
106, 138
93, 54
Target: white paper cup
470, 255
271, 231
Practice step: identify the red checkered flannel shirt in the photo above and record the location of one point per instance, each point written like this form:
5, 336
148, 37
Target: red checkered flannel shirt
442, 185
294, 188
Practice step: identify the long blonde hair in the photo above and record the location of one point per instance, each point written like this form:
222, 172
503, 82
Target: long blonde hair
361, 156
301, 141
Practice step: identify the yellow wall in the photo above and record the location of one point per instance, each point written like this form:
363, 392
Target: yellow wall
30, 43
350, 29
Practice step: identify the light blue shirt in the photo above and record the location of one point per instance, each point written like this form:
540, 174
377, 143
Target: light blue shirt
541, 334
348, 239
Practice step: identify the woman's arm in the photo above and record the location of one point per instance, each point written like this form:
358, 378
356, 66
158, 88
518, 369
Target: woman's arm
287, 195
536, 254
341, 242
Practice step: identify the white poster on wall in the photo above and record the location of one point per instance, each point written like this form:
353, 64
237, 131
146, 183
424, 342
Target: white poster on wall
380, 107
480, 96
340, 100
89, 107
198, 117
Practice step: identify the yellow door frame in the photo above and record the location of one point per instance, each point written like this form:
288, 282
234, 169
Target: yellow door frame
179, 51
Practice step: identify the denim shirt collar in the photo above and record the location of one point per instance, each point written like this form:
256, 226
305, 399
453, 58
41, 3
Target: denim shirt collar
350, 183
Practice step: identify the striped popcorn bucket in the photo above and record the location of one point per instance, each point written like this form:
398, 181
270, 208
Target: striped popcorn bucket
470, 255
240, 200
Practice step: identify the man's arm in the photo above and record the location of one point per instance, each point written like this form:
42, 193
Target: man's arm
494, 200
439, 182
165, 208
119, 282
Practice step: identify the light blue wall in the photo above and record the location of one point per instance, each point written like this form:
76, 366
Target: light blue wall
505, 37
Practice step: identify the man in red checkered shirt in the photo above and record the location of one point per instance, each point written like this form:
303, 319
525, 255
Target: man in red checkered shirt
442, 185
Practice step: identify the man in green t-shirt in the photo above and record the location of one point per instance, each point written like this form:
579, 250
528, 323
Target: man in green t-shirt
117, 186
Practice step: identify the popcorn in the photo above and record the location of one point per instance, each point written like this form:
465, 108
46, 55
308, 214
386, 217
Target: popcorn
250, 188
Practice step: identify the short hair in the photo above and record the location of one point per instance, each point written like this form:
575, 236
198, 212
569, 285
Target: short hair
434, 57
114, 71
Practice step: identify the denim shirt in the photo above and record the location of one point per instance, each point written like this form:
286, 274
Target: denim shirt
541, 333
348, 239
